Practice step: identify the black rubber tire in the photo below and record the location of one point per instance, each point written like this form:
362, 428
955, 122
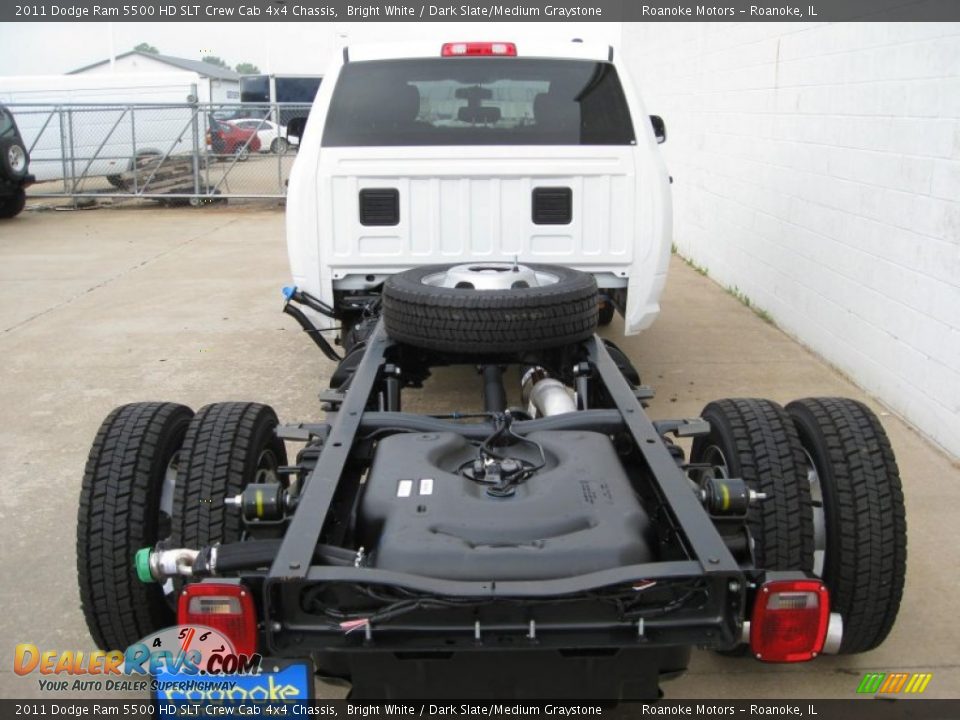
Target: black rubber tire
119, 514
866, 528
490, 321
219, 458
760, 445
13, 205
278, 146
6, 168
607, 311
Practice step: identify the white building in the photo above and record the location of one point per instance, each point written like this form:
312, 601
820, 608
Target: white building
817, 169
216, 84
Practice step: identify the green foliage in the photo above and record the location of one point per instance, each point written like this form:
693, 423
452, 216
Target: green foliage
246, 68
732, 290
699, 269
147, 48
742, 297
214, 60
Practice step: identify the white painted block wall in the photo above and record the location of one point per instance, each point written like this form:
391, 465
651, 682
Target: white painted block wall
817, 169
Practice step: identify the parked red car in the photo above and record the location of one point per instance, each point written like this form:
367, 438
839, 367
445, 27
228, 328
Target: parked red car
225, 138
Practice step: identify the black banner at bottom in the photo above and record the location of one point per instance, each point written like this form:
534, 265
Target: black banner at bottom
854, 709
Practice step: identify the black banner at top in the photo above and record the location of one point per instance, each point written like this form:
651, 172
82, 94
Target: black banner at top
866, 709
479, 10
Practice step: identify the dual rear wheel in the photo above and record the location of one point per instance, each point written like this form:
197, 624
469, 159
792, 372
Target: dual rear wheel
834, 501
157, 472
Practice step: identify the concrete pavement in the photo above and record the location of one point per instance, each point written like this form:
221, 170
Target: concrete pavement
103, 307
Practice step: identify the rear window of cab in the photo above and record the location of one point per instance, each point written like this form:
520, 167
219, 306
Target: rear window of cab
477, 101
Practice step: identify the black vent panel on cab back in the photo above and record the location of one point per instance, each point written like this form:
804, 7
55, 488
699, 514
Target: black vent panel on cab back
379, 206
552, 206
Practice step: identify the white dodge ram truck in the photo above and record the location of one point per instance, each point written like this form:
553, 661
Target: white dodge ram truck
473, 205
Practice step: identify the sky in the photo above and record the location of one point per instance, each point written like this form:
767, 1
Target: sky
282, 47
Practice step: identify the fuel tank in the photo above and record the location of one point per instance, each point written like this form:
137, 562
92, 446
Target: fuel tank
578, 514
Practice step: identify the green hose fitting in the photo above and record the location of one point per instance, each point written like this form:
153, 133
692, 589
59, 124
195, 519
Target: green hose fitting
141, 561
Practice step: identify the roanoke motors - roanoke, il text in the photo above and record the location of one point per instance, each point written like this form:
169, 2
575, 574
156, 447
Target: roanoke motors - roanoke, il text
718, 11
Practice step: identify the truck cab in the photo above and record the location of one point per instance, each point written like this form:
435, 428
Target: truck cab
465, 152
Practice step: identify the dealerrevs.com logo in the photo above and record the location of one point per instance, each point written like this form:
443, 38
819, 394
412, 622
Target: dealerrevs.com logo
183, 650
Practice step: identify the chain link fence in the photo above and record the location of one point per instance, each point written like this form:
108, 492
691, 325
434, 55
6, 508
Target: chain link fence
171, 152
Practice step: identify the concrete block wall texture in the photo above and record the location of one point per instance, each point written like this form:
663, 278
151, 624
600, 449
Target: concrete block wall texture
817, 170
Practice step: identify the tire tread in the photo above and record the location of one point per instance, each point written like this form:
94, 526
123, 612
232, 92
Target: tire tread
865, 564
770, 460
117, 516
213, 466
490, 321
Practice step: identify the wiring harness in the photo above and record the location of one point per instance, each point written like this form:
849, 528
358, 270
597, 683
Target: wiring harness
642, 599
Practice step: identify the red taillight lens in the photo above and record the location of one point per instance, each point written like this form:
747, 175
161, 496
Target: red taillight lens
790, 619
225, 607
464, 49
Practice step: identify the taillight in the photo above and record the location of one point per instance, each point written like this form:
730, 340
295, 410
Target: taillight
463, 49
790, 619
225, 607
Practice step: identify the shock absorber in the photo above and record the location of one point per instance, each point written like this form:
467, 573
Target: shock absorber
494, 394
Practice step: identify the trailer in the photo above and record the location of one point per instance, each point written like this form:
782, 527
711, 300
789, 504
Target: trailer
84, 126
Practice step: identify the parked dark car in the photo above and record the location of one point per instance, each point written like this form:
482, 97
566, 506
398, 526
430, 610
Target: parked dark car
14, 166
225, 138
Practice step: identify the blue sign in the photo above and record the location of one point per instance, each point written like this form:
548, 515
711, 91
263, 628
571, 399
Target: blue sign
292, 683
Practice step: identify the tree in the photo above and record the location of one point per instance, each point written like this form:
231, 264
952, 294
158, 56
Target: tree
246, 68
214, 60
147, 48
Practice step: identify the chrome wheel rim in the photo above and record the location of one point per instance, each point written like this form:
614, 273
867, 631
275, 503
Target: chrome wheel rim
267, 467
819, 517
490, 276
17, 158
165, 519
714, 456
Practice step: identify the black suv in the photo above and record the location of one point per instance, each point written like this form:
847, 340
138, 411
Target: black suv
14, 162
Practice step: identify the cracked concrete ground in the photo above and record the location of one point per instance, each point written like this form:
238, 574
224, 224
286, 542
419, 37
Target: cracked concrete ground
99, 308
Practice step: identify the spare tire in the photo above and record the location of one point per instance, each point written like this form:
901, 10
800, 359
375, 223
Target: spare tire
490, 307
14, 158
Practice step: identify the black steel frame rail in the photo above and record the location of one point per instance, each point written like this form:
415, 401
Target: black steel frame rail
705, 542
710, 555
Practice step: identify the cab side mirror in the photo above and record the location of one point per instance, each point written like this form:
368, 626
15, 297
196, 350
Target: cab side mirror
659, 129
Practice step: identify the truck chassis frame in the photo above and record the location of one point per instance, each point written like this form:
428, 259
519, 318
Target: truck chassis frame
333, 480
